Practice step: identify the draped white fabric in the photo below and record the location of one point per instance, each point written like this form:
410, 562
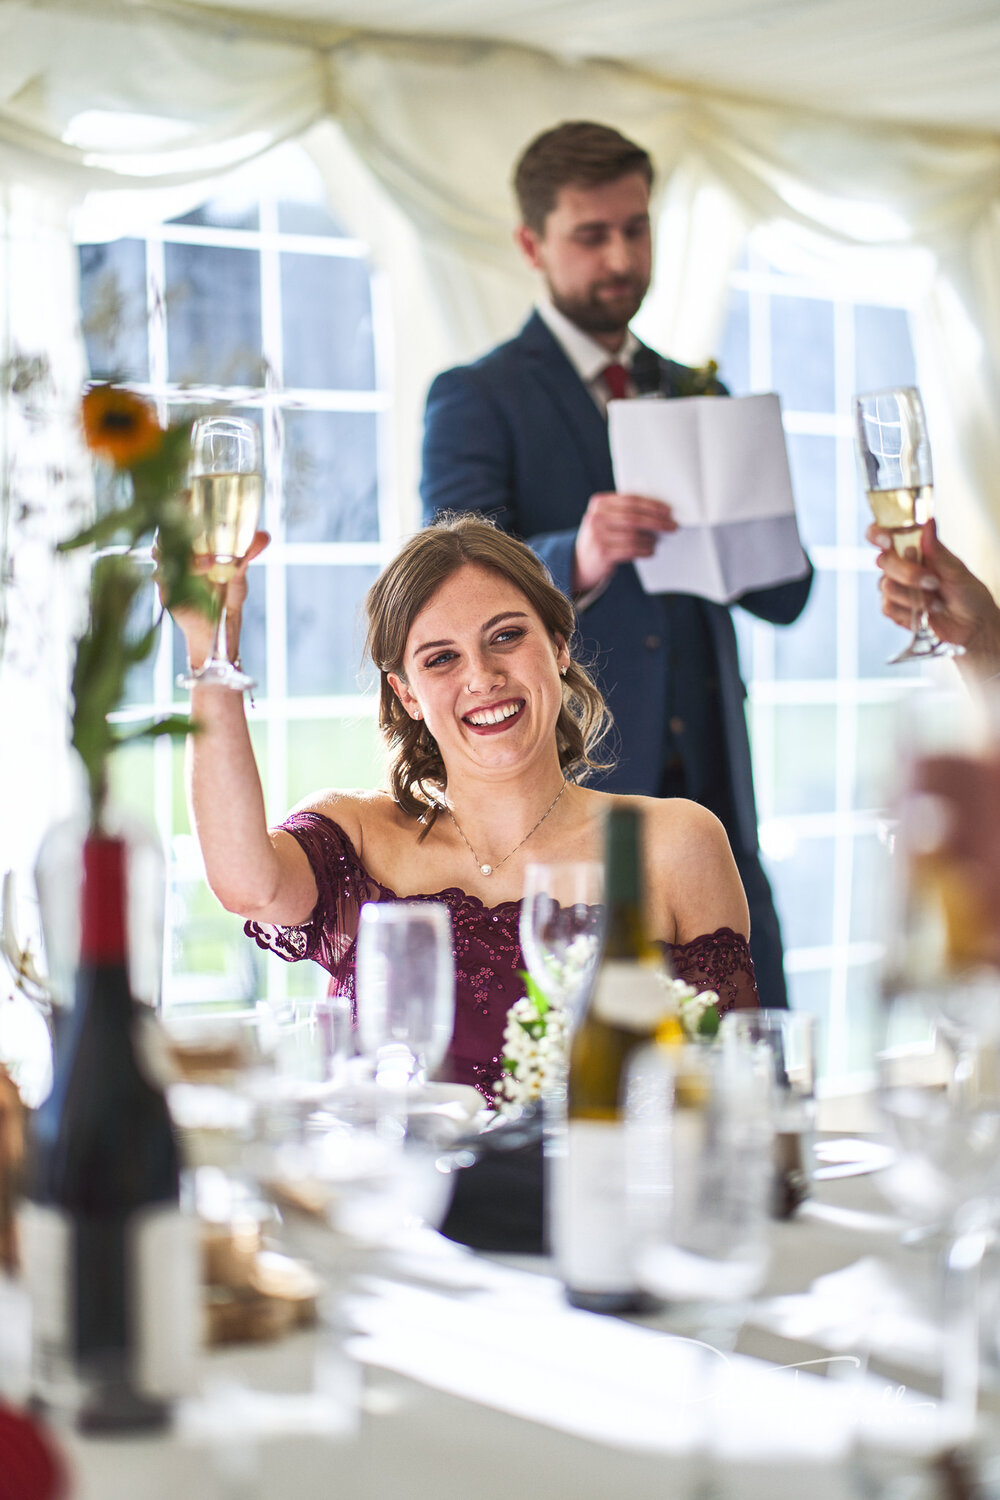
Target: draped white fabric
416, 136
47, 481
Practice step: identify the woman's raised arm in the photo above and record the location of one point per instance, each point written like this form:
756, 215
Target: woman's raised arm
257, 874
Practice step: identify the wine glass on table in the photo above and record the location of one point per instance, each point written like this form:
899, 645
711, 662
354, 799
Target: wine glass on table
560, 929
406, 987
226, 485
894, 453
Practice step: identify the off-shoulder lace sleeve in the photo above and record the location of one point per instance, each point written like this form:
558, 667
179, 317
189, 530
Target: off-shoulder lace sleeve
718, 961
343, 886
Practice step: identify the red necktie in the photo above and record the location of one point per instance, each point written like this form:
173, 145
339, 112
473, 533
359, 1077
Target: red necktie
616, 378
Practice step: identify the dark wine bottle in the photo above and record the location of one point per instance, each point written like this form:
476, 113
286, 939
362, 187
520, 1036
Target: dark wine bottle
627, 1002
109, 1256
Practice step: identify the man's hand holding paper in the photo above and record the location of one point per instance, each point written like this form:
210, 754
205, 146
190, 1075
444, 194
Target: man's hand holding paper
617, 528
723, 467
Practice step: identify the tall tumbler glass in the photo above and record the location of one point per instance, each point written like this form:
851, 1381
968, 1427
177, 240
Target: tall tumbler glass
406, 986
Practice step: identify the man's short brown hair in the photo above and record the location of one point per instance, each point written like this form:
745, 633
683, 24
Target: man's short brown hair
578, 153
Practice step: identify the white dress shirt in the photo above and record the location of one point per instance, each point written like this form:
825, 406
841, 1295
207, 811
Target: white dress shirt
585, 354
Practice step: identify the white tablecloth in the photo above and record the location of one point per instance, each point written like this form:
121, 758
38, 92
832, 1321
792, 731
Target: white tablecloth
479, 1381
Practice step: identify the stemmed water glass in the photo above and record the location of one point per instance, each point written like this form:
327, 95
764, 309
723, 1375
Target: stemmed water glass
225, 488
560, 929
894, 454
406, 987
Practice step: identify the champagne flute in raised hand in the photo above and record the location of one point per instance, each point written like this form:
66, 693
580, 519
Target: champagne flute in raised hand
894, 453
225, 494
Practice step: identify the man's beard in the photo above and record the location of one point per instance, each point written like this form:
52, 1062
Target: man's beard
593, 315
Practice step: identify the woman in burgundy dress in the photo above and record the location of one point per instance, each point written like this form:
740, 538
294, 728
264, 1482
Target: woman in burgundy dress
491, 727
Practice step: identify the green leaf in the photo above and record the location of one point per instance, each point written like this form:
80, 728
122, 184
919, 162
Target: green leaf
534, 992
176, 724
708, 1021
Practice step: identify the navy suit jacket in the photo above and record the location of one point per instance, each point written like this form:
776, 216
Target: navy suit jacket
518, 437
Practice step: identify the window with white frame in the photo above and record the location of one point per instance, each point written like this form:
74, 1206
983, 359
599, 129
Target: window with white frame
258, 299
822, 698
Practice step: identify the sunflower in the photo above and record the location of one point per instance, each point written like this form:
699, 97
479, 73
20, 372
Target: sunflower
119, 425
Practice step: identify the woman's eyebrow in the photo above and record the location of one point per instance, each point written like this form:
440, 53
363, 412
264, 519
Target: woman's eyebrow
507, 614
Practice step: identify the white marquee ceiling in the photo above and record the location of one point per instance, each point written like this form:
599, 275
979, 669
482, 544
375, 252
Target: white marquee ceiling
934, 62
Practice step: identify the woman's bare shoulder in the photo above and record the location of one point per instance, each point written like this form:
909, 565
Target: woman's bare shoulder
694, 886
675, 827
360, 814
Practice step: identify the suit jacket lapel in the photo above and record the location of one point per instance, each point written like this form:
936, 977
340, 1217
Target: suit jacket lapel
569, 394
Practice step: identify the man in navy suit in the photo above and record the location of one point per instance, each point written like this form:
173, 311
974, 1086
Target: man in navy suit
521, 436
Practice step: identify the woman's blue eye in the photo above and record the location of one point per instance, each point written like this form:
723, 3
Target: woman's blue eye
512, 634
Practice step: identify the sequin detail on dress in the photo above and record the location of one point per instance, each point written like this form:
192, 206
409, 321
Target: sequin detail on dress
487, 949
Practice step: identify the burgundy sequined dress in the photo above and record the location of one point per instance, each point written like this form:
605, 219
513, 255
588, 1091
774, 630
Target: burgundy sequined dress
487, 950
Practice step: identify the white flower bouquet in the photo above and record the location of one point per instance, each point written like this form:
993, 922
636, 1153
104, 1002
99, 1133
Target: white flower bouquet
536, 1037
535, 1049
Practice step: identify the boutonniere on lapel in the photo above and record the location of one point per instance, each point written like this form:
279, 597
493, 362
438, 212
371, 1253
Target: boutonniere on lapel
702, 380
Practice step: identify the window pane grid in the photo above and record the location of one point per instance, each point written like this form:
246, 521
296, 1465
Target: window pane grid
191, 308
818, 770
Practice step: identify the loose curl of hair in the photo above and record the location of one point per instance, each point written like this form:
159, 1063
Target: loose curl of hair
417, 775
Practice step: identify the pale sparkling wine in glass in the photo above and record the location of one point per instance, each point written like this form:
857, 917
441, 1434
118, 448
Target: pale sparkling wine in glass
225, 508
902, 512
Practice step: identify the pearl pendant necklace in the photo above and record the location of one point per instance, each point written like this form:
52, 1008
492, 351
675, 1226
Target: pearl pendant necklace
486, 869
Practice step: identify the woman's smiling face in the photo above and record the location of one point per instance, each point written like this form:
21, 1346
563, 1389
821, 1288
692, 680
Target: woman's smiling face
482, 671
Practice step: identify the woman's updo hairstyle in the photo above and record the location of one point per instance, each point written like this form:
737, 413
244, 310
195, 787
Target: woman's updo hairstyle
417, 775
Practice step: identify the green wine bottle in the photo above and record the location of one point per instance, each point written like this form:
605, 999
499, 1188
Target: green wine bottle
626, 1005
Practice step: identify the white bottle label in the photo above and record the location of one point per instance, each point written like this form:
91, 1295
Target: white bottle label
165, 1309
591, 1230
167, 1315
630, 996
46, 1253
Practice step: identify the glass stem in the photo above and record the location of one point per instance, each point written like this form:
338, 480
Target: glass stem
960, 1355
220, 648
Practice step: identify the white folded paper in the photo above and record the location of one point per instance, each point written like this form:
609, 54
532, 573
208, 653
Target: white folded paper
722, 465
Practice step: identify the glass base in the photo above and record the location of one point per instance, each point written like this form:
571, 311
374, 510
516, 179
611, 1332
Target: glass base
218, 674
924, 645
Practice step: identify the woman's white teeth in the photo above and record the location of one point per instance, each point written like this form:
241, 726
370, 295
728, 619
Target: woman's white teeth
494, 715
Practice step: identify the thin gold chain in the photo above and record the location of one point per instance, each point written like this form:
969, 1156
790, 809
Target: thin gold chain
485, 869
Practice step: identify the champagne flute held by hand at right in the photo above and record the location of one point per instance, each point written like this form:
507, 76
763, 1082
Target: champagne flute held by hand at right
895, 458
225, 496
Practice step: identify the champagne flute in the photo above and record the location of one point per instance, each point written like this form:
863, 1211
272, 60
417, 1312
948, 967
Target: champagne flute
894, 453
560, 929
225, 495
